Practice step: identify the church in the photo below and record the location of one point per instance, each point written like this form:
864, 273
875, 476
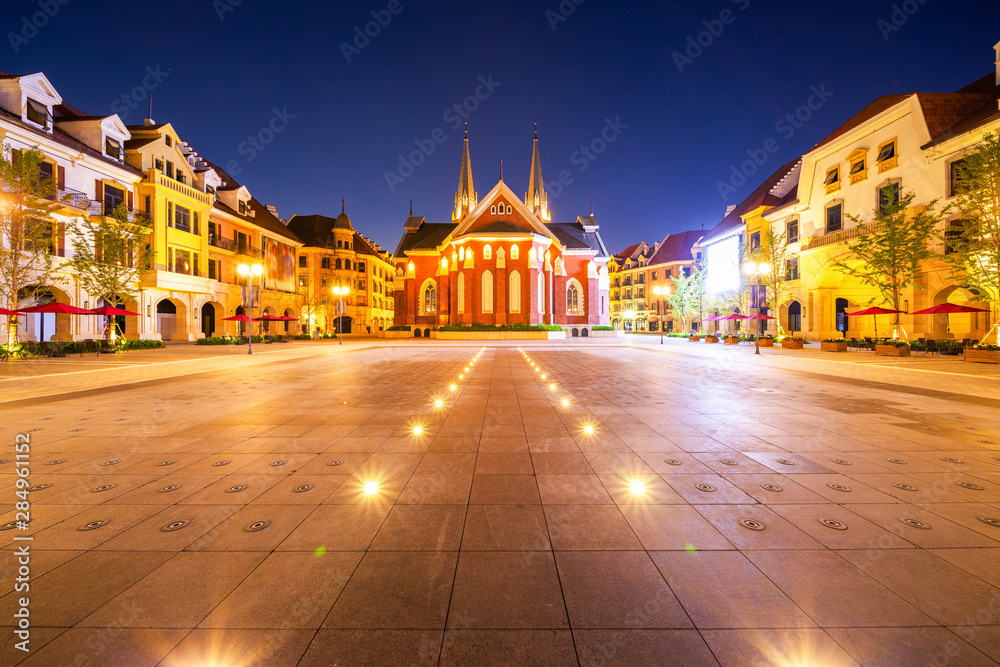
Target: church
502, 261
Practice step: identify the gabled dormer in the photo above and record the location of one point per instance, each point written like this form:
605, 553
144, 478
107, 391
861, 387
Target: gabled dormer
237, 198
158, 147
105, 135
32, 97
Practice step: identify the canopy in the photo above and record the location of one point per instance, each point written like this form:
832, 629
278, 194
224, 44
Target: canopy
269, 318
237, 318
948, 308
9, 313
112, 311
711, 319
57, 308
760, 316
735, 316
874, 311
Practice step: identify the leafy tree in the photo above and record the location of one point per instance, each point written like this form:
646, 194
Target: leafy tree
887, 252
774, 251
111, 254
975, 249
687, 295
28, 232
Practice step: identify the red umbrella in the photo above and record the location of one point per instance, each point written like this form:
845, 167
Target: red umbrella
735, 316
873, 312
711, 319
760, 316
268, 318
9, 313
57, 308
112, 311
237, 318
948, 308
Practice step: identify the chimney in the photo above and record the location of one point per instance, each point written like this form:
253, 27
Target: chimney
273, 209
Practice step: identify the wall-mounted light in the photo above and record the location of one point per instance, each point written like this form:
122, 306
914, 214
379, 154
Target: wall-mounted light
149, 310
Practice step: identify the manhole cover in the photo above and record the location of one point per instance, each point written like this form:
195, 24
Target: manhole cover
786, 462
915, 523
673, 462
708, 488
897, 461
954, 461
752, 524
302, 488
729, 462
278, 463
175, 525
166, 463
169, 488
833, 523
841, 462
990, 521
257, 525
94, 525
770, 487
39, 487
103, 487
236, 489
335, 463
219, 464
970, 486
840, 487
112, 463
905, 487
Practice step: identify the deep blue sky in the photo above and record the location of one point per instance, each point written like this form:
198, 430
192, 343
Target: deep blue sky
352, 120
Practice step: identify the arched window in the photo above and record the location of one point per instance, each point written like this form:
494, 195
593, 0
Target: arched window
461, 292
347, 264
541, 293
340, 264
509, 210
573, 297
515, 292
461, 254
513, 252
493, 210
487, 252
429, 293
487, 292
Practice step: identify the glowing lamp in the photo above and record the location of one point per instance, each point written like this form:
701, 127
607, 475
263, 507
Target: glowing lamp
417, 430
588, 429
371, 488
638, 488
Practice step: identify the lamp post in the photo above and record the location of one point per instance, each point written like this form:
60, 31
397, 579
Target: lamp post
249, 272
756, 272
628, 316
341, 292
662, 293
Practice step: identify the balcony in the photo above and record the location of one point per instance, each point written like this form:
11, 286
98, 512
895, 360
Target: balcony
837, 237
155, 177
71, 198
224, 244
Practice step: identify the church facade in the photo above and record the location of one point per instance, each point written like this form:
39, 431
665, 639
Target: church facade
502, 261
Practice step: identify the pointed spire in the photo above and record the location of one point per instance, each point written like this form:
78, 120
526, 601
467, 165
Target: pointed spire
501, 167
537, 200
591, 208
411, 208
466, 198
343, 206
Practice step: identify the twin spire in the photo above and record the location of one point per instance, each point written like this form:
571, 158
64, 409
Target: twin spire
536, 199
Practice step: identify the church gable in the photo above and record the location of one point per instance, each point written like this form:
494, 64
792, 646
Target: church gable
501, 211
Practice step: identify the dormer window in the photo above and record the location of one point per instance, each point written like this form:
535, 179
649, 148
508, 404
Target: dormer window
243, 207
832, 181
38, 113
168, 140
509, 210
887, 157
113, 148
859, 170
493, 210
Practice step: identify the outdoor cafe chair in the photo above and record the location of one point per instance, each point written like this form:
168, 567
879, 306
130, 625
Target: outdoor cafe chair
932, 348
89, 345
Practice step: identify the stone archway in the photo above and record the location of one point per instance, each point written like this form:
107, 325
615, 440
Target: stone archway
171, 319
46, 327
211, 318
958, 325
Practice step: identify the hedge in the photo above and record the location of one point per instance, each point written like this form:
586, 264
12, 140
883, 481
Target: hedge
504, 327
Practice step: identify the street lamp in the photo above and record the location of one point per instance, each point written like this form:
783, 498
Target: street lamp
628, 316
341, 292
661, 292
249, 272
756, 272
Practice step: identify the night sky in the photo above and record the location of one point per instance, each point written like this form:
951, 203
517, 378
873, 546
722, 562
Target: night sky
677, 133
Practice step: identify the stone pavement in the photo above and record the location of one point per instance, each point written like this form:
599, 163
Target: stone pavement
611, 505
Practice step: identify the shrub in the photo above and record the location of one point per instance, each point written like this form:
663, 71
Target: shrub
835, 340
894, 342
505, 327
791, 339
133, 344
400, 327
602, 328
986, 348
304, 337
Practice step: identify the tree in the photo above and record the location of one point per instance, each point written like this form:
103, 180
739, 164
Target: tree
887, 253
27, 230
111, 254
774, 251
974, 245
686, 297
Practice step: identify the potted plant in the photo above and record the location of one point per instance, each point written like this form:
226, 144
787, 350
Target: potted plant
732, 339
694, 338
766, 341
792, 342
834, 345
983, 354
891, 347
711, 338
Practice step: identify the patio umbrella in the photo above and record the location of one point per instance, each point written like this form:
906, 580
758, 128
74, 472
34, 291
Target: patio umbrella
711, 319
57, 308
947, 309
9, 313
735, 316
759, 316
237, 318
112, 311
874, 312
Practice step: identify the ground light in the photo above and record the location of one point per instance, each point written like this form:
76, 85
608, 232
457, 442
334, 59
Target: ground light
552, 386
588, 429
417, 430
438, 403
371, 488
637, 488
565, 402
452, 387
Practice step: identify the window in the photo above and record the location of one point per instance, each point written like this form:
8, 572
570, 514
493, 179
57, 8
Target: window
487, 252
197, 223
514, 252
113, 148
325, 263
515, 292
182, 262
487, 292
113, 198
687, 271
196, 262
755, 242
955, 231
859, 166
493, 210
461, 293
461, 254
359, 267
958, 176
340, 265
792, 269
243, 207
669, 273
792, 231
887, 157
169, 140
430, 299
170, 169
653, 277
347, 264
509, 210
834, 218
832, 181
572, 298
888, 199
158, 164
182, 219
541, 293
213, 273
303, 261
38, 113
303, 280
324, 281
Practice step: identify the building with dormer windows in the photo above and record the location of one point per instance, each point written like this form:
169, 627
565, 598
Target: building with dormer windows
502, 261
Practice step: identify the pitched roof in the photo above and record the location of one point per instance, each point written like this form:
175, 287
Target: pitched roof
760, 197
428, 237
572, 235
880, 105
264, 219
677, 248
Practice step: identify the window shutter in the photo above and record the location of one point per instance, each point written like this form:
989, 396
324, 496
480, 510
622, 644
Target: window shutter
99, 191
60, 239
15, 157
61, 178
130, 200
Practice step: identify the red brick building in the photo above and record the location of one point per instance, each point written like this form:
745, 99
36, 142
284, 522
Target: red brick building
502, 261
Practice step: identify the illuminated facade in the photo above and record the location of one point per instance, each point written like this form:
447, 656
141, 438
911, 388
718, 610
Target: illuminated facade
502, 261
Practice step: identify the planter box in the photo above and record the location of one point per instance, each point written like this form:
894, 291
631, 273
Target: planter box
733, 340
834, 347
982, 356
792, 344
694, 339
499, 335
890, 351
766, 342
711, 339
607, 334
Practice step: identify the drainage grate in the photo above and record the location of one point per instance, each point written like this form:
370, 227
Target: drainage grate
175, 525
257, 526
833, 523
94, 525
752, 524
915, 523
770, 487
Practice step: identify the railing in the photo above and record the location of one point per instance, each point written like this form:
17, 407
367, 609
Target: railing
223, 243
249, 251
70, 197
840, 236
157, 178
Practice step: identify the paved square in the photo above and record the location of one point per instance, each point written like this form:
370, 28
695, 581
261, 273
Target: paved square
563, 504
